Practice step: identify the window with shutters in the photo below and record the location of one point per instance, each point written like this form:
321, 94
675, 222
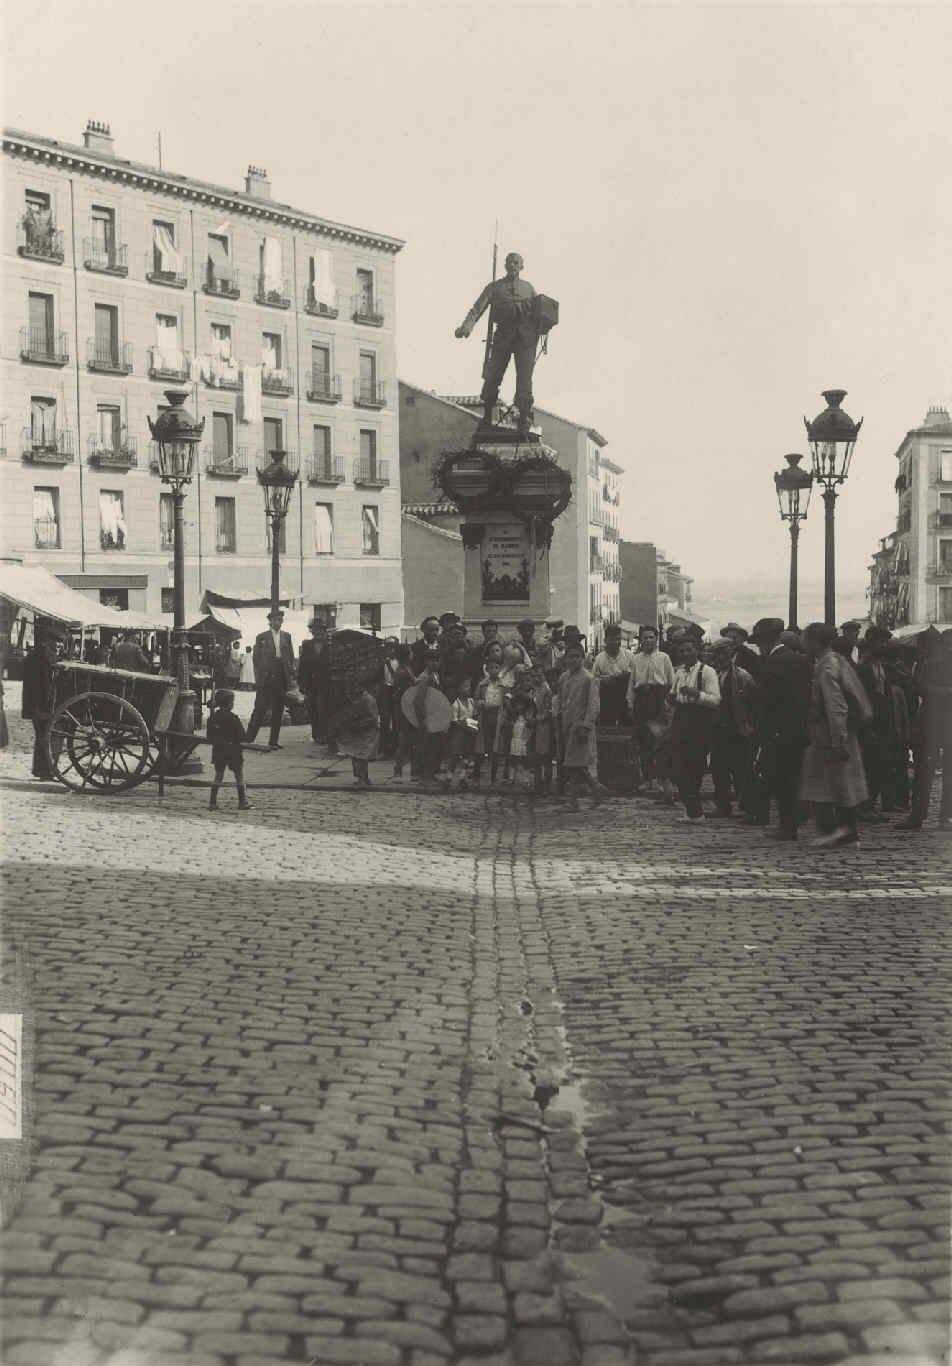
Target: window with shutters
225, 526
323, 529
370, 526
46, 519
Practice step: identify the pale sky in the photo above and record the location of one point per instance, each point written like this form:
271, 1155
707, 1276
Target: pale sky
737, 206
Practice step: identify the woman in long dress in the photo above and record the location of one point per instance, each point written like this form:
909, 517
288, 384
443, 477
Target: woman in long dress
832, 777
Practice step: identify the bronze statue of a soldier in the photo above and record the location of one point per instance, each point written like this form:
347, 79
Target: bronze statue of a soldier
517, 323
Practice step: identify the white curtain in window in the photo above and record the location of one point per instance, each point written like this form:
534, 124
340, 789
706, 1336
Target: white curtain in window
111, 521
370, 517
45, 529
271, 267
323, 529
169, 259
168, 353
251, 393
269, 353
321, 272
43, 421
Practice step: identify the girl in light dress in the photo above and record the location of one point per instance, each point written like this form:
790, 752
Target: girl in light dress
463, 735
522, 713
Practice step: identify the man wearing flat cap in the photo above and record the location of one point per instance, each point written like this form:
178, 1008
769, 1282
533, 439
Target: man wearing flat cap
37, 703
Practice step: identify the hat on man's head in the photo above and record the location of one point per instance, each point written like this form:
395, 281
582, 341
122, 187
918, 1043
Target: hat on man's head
555, 624
792, 640
733, 626
448, 619
767, 626
526, 621
277, 612
572, 631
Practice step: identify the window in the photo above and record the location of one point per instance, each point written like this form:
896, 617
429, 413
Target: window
273, 435
106, 341
43, 423
365, 291
38, 222
108, 427
218, 265
221, 340
37, 201
168, 599
370, 616
945, 557
945, 604
225, 526
166, 522
112, 522
320, 360
41, 322
326, 613
370, 523
46, 519
168, 353
104, 234
323, 529
368, 370
368, 452
322, 445
945, 464
271, 351
222, 448
115, 597
165, 259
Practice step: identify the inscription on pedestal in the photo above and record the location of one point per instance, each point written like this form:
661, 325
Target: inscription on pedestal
505, 563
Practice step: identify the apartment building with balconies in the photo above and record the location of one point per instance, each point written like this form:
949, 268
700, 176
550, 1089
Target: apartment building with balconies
911, 573
121, 280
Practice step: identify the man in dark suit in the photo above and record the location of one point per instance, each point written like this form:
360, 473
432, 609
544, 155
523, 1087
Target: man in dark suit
784, 680
314, 675
37, 704
273, 660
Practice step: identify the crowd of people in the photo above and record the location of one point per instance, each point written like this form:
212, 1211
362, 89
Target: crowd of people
786, 722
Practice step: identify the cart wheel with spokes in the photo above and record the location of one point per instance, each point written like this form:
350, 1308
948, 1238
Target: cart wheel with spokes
100, 742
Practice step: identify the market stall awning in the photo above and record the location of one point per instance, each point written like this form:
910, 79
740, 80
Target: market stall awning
35, 588
248, 622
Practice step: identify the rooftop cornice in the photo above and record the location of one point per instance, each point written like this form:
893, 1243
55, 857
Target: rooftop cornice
943, 431
135, 173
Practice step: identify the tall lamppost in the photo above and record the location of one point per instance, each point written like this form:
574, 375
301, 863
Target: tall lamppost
176, 434
277, 481
794, 487
832, 436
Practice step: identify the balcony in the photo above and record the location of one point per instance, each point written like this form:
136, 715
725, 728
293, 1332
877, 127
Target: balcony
222, 373
595, 564
109, 357
291, 463
314, 306
53, 449
120, 454
40, 241
225, 464
168, 365
155, 275
106, 258
904, 521
370, 393
222, 284
367, 309
273, 294
43, 347
325, 469
610, 533
277, 381
46, 533
372, 473
324, 388
901, 483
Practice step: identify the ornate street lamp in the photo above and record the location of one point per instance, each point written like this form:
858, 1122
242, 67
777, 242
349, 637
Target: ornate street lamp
794, 487
277, 481
832, 437
176, 434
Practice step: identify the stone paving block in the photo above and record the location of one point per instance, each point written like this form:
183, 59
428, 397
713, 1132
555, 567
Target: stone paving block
805, 1347
403, 1334
479, 1330
849, 1314
545, 1347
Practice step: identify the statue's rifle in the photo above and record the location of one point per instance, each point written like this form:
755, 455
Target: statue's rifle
489, 316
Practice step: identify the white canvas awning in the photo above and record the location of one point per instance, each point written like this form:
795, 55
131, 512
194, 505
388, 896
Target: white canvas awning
251, 621
35, 588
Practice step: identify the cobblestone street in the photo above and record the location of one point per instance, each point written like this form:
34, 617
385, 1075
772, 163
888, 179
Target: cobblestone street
407, 1080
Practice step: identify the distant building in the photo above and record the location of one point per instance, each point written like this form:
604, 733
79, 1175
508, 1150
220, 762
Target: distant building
122, 280
638, 565
911, 573
583, 560
432, 569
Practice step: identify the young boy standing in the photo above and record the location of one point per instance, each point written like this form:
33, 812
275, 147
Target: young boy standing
227, 734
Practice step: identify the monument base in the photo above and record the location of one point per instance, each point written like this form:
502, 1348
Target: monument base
506, 572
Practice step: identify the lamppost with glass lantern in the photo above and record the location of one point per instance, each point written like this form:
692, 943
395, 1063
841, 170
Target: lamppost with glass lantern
176, 434
277, 481
794, 487
832, 436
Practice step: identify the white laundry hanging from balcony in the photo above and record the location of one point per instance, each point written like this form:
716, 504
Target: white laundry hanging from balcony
323, 288
111, 521
272, 279
168, 354
270, 358
170, 260
251, 393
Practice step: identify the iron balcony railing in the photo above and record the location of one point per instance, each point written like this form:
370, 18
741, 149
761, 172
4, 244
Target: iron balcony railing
264, 457
44, 346
226, 464
121, 453
222, 283
277, 381
225, 542
109, 357
53, 448
370, 393
324, 388
325, 469
223, 373
274, 293
46, 533
162, 365
595, 564
40, 241
173, 279
374, 473
367, 309
610, 533
312, 304
109, 259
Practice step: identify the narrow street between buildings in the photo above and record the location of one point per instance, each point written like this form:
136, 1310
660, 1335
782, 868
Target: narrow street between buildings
410, 1081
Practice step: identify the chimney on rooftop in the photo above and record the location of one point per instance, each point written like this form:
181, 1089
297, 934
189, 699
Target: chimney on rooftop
98, 137
257, 183
937, 416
